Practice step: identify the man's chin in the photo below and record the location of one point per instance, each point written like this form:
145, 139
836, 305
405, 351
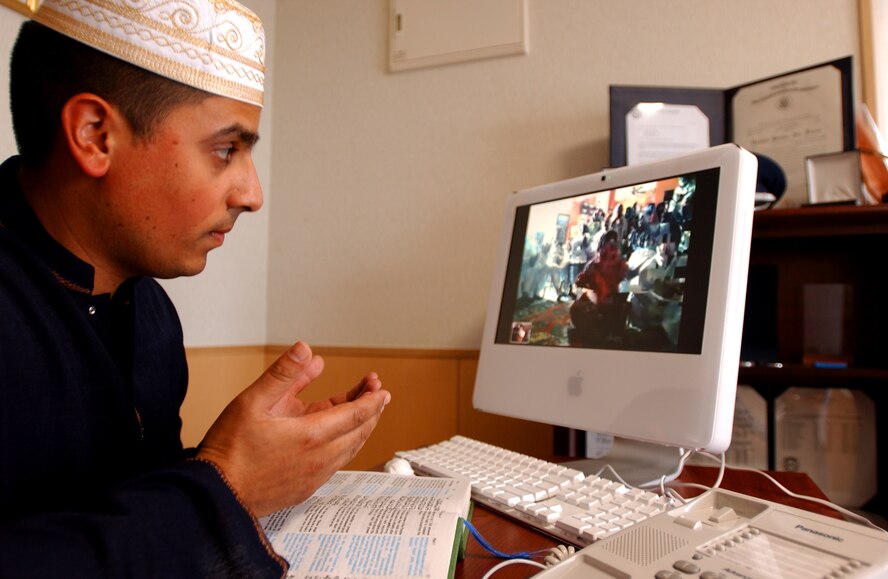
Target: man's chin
185, 270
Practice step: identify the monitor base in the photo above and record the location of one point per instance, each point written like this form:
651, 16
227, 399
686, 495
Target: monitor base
636, 462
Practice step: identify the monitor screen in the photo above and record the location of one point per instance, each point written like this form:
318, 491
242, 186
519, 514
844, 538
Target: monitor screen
618, 300
623, 269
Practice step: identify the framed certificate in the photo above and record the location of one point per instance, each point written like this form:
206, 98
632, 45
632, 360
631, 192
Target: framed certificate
788, 118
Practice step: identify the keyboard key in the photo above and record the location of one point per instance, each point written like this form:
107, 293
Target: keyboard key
572, 524
507, 498
650, 510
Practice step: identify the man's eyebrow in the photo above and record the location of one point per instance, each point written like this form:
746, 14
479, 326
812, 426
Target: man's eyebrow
239, 132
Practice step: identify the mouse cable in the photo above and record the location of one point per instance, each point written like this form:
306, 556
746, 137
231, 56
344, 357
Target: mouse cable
508, 562
656, 483
498, 553
554, 555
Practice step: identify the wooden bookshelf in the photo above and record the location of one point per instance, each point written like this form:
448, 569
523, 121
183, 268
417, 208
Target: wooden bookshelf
824, 245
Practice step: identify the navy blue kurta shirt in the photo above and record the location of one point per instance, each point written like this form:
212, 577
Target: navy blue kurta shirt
94, 481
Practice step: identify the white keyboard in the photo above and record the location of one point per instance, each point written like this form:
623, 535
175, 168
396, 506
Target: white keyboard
557, 500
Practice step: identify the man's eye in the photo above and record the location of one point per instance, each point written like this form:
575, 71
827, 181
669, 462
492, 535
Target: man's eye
225, 153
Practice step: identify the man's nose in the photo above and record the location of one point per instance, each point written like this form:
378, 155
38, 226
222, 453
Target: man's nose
248, 193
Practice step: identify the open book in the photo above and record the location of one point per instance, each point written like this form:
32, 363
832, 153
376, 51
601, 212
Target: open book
373, 524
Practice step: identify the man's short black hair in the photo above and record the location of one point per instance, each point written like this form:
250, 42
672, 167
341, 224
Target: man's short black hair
48, 68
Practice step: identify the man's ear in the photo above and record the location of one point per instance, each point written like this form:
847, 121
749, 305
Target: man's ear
88, 125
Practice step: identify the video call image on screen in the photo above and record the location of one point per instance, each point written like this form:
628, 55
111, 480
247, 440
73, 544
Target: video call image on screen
621, 269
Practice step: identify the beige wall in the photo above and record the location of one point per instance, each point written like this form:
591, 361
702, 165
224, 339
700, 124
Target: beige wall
388, 187
9, 25
874, 58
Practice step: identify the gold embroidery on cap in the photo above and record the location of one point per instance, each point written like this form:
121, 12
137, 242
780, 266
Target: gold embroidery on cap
151, 29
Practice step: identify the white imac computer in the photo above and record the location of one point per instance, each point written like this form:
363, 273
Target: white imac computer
618, 298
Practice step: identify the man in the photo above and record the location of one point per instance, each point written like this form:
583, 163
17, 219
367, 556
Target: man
135, 123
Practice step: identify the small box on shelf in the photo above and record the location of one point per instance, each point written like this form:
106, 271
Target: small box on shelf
826, 337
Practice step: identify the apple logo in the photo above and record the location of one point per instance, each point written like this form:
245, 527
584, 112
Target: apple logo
575, 384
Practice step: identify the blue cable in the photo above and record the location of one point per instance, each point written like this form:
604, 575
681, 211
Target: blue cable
489, 547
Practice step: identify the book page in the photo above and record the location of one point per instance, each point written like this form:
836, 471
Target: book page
367, 524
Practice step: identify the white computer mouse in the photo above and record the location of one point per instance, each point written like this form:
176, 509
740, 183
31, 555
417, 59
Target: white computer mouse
398, 466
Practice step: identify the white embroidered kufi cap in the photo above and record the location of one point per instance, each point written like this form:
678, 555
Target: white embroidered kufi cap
214, 45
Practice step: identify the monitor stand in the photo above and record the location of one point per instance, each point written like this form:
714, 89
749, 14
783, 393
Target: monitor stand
636, 462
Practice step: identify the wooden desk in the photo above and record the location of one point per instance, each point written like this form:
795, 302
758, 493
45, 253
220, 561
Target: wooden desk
507, 535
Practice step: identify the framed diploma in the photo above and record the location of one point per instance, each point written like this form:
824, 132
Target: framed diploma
795, 116
788, 118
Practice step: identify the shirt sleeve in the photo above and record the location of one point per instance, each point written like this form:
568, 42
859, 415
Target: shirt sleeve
184, 521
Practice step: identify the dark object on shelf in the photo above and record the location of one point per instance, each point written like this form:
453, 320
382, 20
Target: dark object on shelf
759, 344
770, 183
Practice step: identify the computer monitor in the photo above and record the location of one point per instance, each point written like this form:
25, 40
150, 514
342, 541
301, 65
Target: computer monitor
618, 298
